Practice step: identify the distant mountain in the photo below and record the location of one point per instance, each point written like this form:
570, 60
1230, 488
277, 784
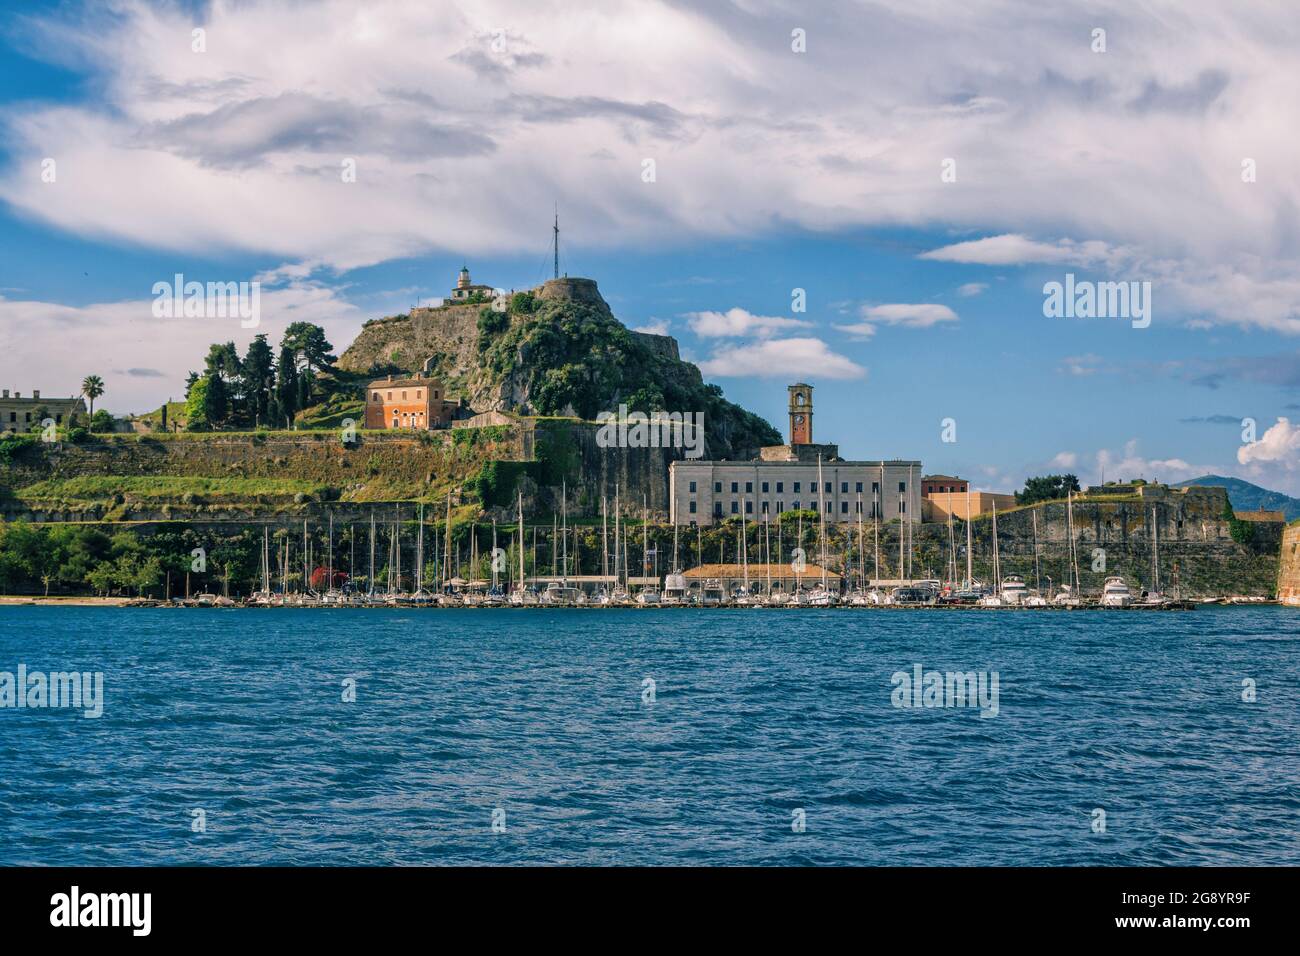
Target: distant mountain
1247, 497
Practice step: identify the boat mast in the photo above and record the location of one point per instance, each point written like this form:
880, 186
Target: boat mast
1038, 582
862, 555
901, 532
821, 522
604, 540
1155, 550
521, 542
564, 537
744, 553
970, 574
419, 551
370, 581
767, 552
997, 567
952, 549
446, 570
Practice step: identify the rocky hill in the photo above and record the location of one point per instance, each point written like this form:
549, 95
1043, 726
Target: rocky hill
1246, 496
557, 350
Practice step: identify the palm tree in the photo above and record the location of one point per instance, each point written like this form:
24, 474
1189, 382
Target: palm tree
92, 386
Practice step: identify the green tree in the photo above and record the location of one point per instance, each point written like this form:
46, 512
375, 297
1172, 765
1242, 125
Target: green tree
1046, 488
196, 406
92, 386
258, 377
286, 386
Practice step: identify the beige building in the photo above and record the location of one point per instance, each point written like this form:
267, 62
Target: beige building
19, 414
938, 505
790, 478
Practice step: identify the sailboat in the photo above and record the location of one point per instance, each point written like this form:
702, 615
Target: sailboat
1035, 597
649, 594
561, 592
674, 583
821, 594
1154, 598
1068, 595
522, 595
264, 597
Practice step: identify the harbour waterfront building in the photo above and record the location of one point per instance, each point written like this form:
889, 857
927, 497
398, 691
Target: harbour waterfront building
785, 478
418, 402
19, 414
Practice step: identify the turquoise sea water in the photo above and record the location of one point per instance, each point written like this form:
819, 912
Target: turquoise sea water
756, 714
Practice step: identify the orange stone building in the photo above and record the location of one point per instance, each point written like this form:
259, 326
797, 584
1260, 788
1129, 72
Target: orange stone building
942, 485
419, 402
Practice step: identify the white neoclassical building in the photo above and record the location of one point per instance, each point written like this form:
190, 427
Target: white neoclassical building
786, 478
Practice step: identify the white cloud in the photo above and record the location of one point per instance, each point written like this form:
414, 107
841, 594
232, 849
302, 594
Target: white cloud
908, 315
462, 147
1013, 250
654, 327
1065, 459
144, 359
1081, 364
736, 323
782, 358
1130, 464
915, 316
1279, 445
972, 289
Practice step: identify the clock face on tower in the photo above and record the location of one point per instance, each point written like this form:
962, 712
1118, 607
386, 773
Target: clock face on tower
798, 419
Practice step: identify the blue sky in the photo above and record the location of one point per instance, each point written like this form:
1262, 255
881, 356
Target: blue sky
775, 170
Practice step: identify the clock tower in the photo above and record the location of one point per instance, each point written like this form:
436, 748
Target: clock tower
801, 412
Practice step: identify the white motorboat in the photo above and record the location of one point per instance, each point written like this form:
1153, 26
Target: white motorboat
1066, 597
1115, 593
674, 591
820, 596
1014, 590
713, 593
562, 595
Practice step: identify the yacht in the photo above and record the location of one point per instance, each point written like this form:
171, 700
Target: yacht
713, 593
1014, 590
910, 596
1115, 593
821, 596
1066, 597
522, 596
562, 595
674, 589
648, 595
776, 596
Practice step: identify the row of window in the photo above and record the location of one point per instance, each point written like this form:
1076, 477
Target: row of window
874, 510
27, 417
812, 487
419, 393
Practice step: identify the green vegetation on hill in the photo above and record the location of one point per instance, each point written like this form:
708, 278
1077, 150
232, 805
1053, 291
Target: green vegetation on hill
571, 357
1249, 497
